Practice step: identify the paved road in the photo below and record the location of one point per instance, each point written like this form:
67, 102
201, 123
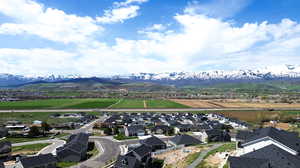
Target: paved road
202, 155
138, 110
37, 142
109, 150
52, 148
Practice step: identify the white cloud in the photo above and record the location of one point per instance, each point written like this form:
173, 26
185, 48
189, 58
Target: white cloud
32, 18
128, 2
119, 14
202, 42
217, 8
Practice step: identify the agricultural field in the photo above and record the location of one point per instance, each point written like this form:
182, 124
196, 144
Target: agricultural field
57, 104
233, 104
164, 104
129, 104
147, 104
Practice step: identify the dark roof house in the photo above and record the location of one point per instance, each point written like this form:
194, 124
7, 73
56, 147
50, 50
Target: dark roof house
154, 143
75, 149
185, 140
127, 161
3, 132
243, 162
40, 161
5, 148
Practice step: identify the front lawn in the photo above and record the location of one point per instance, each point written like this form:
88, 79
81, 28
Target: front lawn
121, 137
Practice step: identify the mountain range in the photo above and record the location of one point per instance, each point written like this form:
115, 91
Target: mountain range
173, 78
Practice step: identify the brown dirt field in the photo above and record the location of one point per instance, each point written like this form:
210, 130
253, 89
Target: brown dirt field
232, 104
176, 158
283, 126
250, 116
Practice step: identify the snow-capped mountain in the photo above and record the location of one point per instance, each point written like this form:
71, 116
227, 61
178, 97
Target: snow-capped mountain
288, 72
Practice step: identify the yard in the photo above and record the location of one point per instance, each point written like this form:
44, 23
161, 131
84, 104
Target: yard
28, 149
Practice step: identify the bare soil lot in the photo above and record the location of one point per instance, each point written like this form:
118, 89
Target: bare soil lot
232, 104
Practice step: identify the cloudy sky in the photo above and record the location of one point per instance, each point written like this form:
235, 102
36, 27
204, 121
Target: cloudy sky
105, 37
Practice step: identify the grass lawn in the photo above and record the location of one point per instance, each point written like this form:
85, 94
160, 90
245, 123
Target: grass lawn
130, 104
164, 104
121, 137
29, 149
24, 139
57, 104
65, 164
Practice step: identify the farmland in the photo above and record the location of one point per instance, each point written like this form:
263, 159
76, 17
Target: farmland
58, 104
147, 104
195, 103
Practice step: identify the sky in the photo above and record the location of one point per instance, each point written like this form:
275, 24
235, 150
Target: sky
109, 37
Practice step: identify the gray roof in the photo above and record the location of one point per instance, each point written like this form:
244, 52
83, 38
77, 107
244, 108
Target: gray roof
142, 150
38, 161
278, 157
127, 162
185, 140
1, 165
289, 139
5, 147
152, 141
243, 162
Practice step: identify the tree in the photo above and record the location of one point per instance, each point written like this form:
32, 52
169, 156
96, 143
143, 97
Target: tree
108, 131
45, 127
34, 131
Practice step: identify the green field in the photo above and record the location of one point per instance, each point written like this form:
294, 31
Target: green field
129, 103
28, 117
58, 104
164, 104
149, 104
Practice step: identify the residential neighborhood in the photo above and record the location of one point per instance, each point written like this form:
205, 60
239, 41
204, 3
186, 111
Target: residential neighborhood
148, 139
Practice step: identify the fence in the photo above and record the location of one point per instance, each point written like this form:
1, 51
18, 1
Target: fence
167, 150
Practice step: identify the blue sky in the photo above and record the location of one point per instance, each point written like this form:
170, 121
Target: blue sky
105, 37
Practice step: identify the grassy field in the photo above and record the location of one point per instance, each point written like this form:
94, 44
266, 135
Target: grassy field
28, 117
58, 104
164, 104
129, 103
149, 104
29, 149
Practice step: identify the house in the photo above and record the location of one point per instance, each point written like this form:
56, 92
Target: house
134, 130
143, 154
1, 165
288, 141
215, 135
274, 157
242, 136
243, 162
154, 143
40, 161
138, 157
3, 132
5, 149
185, 140
278, 147
161, 129
127, 161
75, 149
